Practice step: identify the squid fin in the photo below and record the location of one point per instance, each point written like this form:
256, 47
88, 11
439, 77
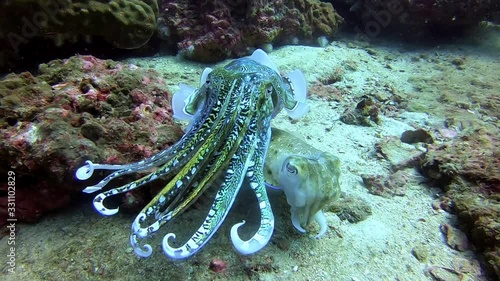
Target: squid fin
299, 86
261, 57
179, 101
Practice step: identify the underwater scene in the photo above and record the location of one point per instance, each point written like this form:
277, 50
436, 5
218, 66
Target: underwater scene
350, 140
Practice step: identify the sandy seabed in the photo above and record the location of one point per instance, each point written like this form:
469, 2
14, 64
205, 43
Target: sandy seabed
79, 244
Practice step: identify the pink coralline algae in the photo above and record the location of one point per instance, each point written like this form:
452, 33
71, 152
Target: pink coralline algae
214, 30
73, 110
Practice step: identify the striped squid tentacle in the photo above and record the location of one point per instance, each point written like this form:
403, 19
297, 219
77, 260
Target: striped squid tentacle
185, 182
172, 161
187, 141
172, 166
224, 199
233, 137
232, 100
180, 183
160, 220
255, 176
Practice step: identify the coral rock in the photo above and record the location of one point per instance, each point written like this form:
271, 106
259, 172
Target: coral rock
125, 24
217, 265
211, 31
399, 155
389, 186
468, 168
366, 113
77, 109
455, 238
414, 136
415, 17
350, 208
444, 274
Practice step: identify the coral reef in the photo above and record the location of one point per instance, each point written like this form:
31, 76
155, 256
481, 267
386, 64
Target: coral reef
414, 17
125, 24
50, 123
469, 170
210, 31
206, 31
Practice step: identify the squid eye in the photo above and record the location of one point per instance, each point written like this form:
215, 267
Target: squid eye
270, 91
291, 169
207, 82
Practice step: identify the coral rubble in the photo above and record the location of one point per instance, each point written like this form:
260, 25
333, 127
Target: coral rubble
386, 186
351, 208
366, 113
469, 170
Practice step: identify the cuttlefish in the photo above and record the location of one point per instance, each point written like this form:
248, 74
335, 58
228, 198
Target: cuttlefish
309, 178
226, 142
